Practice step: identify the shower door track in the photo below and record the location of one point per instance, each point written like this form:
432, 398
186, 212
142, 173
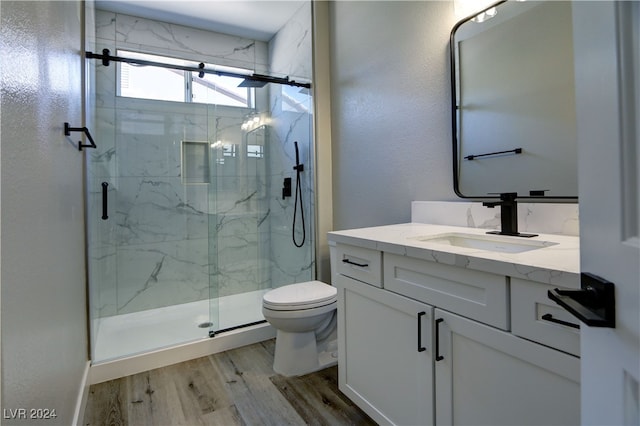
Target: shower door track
224, 330
106, 57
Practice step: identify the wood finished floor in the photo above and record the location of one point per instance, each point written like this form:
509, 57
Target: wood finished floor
236, 387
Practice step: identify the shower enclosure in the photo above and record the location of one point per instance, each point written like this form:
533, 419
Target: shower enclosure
187, 223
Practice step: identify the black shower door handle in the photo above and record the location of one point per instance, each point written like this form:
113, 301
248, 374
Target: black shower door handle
105, 201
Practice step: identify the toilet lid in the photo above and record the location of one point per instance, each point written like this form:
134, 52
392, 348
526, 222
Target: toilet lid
301, 294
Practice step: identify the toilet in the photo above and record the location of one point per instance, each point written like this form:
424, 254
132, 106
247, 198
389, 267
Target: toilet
304, 315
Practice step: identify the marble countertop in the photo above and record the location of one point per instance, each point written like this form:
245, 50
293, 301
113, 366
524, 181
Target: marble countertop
557, 264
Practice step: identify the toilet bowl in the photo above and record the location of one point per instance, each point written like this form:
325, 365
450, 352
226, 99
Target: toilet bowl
304, 316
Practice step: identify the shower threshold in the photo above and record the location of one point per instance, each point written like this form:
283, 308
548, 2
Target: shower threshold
139, 332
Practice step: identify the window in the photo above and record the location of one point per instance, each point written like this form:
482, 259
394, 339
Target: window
165, 84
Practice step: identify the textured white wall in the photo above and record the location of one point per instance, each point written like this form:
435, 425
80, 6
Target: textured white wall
44, 343
390, 108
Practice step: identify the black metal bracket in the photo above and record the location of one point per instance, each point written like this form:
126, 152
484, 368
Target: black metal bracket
594, 304
511, 151
68, 130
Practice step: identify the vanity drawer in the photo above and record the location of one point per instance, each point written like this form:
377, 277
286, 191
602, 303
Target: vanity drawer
360, 263
477, 295
535, 317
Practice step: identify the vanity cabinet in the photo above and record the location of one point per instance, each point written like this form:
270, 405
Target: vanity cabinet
479, 295
427, 339
490, 377
535, 317
385, 353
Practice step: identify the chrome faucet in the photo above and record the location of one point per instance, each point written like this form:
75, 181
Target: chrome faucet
508, 215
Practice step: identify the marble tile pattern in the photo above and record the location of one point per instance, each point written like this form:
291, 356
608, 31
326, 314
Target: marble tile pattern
557, 263
547, 218
150, 36
168, 242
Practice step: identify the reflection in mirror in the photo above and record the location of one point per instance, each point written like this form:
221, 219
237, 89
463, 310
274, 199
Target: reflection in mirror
513, 101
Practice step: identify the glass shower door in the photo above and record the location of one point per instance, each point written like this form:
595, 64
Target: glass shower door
237, 209
149, 269
251, 228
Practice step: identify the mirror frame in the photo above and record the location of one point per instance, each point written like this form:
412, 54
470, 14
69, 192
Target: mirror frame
454, 121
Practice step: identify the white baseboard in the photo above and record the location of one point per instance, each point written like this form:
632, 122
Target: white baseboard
83, 396
110, 370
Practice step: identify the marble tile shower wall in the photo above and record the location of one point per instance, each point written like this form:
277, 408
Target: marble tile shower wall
290, 54
165, 240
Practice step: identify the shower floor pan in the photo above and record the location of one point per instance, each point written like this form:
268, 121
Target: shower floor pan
138, 332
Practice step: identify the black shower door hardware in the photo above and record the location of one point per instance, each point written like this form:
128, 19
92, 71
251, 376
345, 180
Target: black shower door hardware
106, 58
67, 132
105, 187
510, 151
594, 304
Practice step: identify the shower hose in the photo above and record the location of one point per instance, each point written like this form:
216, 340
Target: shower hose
298, 168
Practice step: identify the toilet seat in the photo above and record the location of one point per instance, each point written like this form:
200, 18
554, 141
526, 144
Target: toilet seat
300, 296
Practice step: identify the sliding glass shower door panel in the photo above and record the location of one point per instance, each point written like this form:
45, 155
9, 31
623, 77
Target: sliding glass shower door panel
149, 268
251, 223
237, 197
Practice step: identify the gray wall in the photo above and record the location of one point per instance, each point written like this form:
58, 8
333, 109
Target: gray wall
390, 99
44, 343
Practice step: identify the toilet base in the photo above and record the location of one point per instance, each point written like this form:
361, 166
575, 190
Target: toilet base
298, 354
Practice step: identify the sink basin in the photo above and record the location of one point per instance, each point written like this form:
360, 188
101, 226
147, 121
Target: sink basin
495, 243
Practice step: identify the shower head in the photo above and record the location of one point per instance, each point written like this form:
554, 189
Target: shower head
252, 83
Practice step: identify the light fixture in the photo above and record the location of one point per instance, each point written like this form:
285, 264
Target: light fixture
465, 8
486, 15
254, 120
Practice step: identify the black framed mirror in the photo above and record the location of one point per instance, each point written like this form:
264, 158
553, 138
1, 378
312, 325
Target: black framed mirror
513, 103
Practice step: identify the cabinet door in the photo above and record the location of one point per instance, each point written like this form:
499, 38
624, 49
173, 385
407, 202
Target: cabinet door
487, 376
385, 347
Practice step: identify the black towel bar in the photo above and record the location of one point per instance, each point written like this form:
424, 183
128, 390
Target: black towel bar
67, 132
514, 151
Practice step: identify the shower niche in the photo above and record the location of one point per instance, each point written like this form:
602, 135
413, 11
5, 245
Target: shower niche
197, 230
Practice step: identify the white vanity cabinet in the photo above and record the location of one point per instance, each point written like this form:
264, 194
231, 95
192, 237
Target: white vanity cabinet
385, 352
486, 376
429, 336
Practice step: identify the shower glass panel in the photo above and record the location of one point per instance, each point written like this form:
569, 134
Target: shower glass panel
250, 224
196, 228
149, 257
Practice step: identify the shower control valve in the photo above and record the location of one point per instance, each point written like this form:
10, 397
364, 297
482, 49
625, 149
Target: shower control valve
286, 188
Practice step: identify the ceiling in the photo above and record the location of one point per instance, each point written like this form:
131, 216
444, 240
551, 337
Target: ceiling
257, 19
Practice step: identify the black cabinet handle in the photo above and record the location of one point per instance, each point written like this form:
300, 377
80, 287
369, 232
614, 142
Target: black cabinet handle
420, 347
438, 356
105, 216
362, 265
550, 318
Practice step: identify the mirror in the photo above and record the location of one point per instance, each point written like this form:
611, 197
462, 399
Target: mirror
513, 104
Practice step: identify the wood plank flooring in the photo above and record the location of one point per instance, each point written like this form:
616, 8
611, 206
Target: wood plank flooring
236, 387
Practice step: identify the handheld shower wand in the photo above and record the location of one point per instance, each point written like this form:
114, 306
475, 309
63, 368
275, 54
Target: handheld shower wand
299, 168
